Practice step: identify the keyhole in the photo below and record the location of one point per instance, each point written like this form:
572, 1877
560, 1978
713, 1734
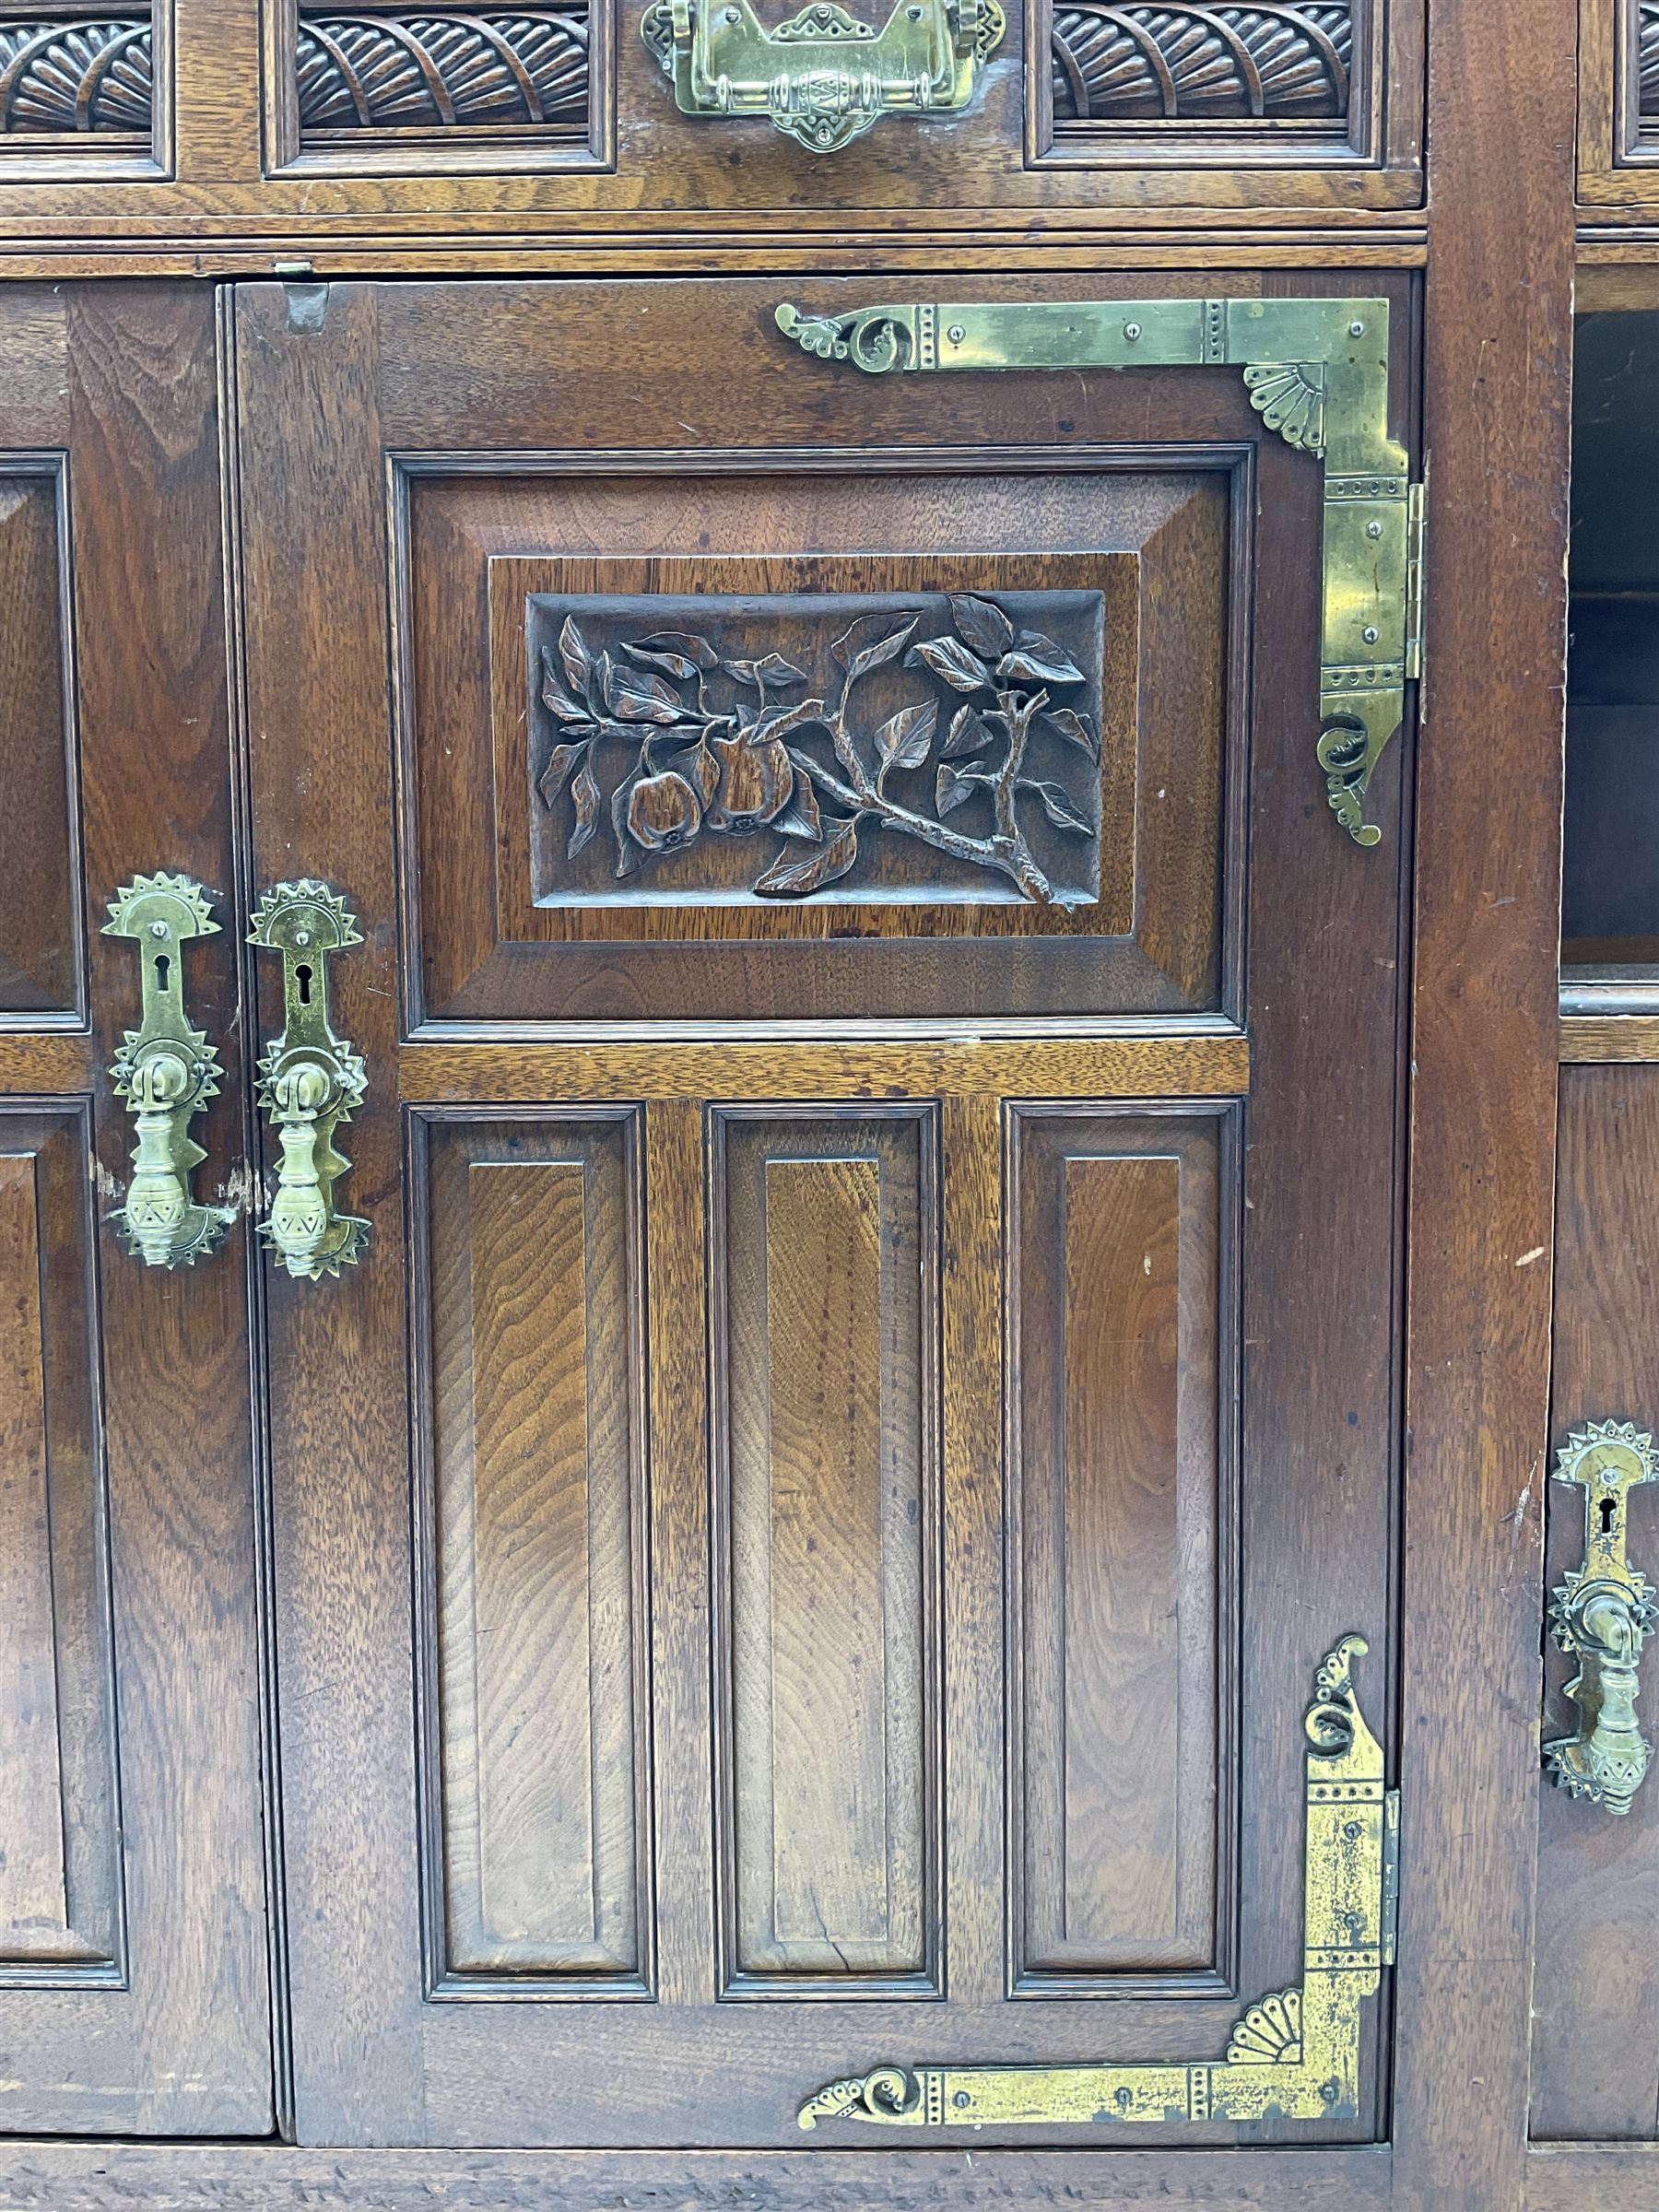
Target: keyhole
1609, 1514
303, 976
163, 966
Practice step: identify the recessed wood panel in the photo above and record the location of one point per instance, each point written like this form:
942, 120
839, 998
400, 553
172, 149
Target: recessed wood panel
1122, 1369
985, 774
59, 1902
826, 1507
541, 1789
39, 936
1595, 2001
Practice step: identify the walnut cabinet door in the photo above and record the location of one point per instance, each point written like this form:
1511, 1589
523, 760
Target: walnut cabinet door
133, 1984
808, 1520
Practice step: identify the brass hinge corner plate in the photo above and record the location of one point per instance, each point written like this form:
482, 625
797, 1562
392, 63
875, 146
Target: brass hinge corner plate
1416, 534
1294, 2054
1315, 371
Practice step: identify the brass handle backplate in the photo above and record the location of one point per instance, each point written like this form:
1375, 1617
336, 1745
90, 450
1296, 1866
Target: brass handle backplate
166, 1072
1601, 1616
309, 1082
825, 77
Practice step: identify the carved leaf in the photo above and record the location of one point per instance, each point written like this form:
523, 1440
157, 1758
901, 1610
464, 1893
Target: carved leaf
634, 697
866, 644
774, 669
952, 662
627, 853
1038, 660
578, 661
968, 733
801, 817
684, 645
795, 879
559, 764
1074, 729
700, 770
902, 740
556, 698
584, 792
671, 663
952, 786
1057, 806
981, 624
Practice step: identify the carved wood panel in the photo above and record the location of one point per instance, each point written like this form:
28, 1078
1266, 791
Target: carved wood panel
1122, 1362
932, 747
1190, 64
39, 919
60, 1896
444, 73
75, 70
929, 826
825, 1521
540, 1857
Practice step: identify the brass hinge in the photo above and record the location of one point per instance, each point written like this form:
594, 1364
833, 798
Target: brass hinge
1416, 527
1316, 371
1391, 1875
1295, 2054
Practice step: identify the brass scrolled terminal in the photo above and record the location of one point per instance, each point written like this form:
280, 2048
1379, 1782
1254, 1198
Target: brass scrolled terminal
166, 1072
1601, 1616
309, 1082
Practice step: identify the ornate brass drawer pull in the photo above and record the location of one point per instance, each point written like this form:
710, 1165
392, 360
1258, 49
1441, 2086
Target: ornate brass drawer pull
1601, 1616
309, 1082
167, 1071
1317, 374
825, 77
1295, 2054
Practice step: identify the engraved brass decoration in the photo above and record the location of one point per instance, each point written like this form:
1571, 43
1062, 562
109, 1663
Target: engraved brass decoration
166, 1072
825, 77
1295, 2055
1317, 374
309, 1082
1601, 1616
991, 761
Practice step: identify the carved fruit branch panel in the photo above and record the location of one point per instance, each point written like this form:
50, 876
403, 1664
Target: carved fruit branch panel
936, 747
1187, 63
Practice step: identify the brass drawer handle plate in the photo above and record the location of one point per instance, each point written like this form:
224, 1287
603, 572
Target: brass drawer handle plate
1317, 374
310, 1081
825, 77
1601, 1616
1295, 2054
166, 1072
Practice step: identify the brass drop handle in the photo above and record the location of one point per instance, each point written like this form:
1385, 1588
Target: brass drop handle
1601, 1616
825, 77
310, 1081
166, 1072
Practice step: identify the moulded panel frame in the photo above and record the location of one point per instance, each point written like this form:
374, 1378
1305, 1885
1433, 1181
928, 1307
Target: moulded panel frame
54, 463
442, 1982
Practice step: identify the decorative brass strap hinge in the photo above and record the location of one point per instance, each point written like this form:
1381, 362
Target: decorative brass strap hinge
1295, 2055
825, 77
1316, 371
1602, 1615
